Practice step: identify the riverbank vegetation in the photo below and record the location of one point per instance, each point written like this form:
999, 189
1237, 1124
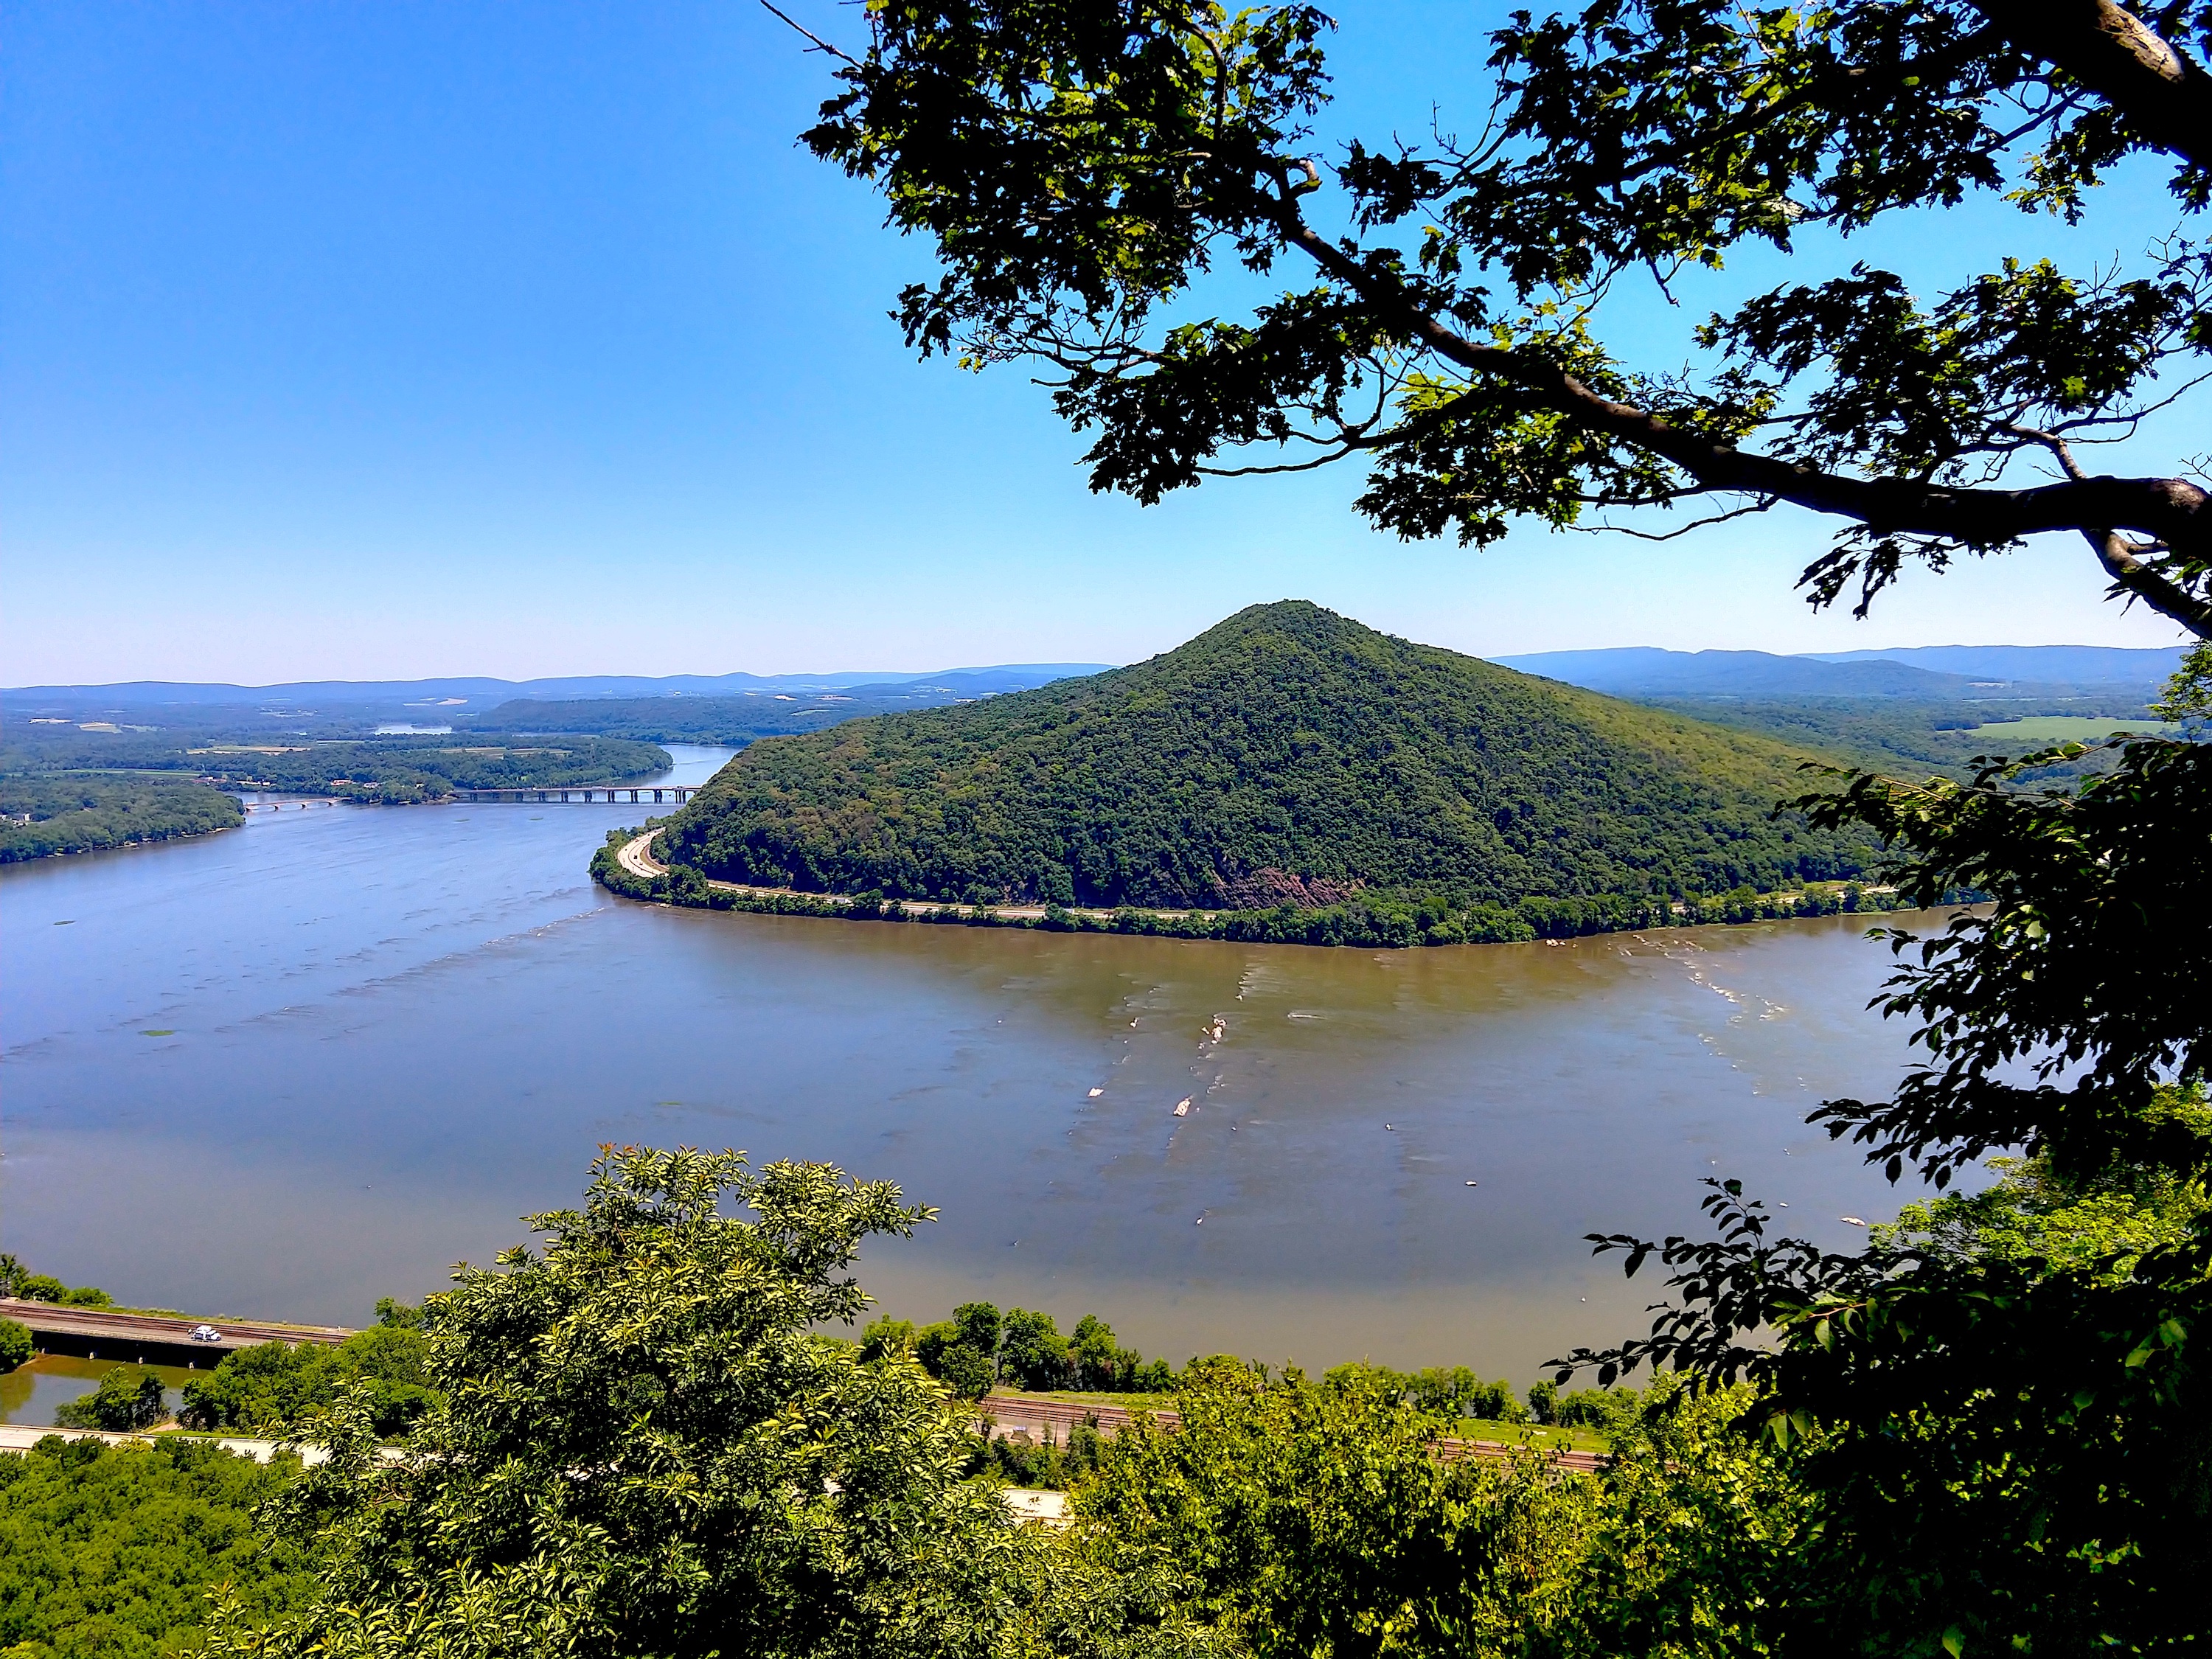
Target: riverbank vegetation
979, 1349
411, 770
836, 1500
18, 1281
1378, 923
679, 1334
284, 1388
49, 816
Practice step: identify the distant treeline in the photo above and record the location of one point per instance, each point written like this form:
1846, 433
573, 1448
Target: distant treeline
735, 721
979, 1348
1382, 922
1880, 733
86, 814
398, 769
404, 771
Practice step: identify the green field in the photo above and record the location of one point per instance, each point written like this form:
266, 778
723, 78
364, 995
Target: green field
2067, 728
1538, 1434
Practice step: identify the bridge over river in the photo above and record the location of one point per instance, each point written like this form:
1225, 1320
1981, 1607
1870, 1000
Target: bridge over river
585, 792
154, 1338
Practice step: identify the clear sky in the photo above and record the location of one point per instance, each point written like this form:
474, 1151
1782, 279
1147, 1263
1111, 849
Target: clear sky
435, 336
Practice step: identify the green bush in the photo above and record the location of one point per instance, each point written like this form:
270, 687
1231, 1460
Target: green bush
86, 1296
41, 1287
128, 1399
279, 1385
15, 1343
1441, 1390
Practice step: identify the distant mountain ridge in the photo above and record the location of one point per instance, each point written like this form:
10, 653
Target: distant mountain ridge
2074, 665
1924, 673
1287, 756
978, 682
1649, 671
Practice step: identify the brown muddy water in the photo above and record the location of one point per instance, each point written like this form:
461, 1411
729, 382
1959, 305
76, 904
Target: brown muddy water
297, 1066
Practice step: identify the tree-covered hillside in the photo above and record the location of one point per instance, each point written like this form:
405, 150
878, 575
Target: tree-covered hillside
1288, 754
84, 813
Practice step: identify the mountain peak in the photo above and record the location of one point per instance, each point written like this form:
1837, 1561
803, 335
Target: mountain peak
1286, 746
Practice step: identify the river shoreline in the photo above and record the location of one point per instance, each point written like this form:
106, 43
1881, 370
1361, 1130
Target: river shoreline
626, 865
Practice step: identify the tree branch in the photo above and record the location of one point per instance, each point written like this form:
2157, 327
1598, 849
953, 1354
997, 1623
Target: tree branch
2171, 510
820, 45
2166, 98
2131, 575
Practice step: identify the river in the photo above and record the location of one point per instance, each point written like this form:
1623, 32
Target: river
287, 1069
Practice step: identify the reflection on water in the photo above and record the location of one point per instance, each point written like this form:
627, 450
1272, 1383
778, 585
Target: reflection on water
32, 1394
385, 1033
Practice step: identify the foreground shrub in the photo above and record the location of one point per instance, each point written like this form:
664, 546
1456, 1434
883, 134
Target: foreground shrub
642, 1444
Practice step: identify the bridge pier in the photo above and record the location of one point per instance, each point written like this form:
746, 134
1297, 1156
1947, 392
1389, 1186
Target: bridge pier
517, 796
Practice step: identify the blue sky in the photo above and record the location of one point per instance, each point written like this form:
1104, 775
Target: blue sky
396, 339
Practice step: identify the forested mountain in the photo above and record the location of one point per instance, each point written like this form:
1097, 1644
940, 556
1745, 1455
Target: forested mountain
1287, 756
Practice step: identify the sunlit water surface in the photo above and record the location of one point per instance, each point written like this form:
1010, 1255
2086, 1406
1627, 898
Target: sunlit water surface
289, 1068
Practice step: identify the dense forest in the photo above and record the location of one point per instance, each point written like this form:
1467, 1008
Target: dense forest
395, 769
1288, 755
110, 1553
428, 769
83, 814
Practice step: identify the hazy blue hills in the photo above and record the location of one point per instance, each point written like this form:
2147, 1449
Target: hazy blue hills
1648, 672
2046, 665
1924, 673
1287, 756
747, 717
448, 696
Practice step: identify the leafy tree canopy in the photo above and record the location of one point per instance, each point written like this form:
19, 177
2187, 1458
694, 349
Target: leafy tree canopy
128, 1399
1083, 169
1321, 1521
111, 1554
643, 1443
2006, 1451
276, 1386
